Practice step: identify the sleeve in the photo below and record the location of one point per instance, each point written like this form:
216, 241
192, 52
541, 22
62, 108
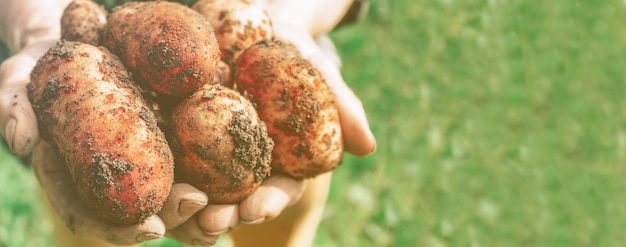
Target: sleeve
357, 11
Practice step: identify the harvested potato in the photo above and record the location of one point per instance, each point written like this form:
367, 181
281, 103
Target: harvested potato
221, 146
167, 45
297, 105
238, 24
93, 115
84, 21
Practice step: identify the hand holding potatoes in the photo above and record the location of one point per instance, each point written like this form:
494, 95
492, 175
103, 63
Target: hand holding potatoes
274, 194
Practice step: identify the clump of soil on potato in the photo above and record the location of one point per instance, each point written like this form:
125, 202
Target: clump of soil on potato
252, 146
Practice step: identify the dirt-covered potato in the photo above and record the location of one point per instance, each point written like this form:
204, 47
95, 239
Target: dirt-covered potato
238, 24
92, 113
221, 146
297, 105
84, 21
168, 45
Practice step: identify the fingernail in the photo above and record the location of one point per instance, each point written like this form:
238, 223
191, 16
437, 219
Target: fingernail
148, 236
252, 222
188, 208
218, 232
199, 242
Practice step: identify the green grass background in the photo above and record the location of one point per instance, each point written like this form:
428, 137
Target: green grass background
499, 123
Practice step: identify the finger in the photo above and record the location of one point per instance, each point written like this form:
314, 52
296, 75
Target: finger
184, 201
191, 234
219, 219
57, 184
17, 118
270, 199
327, 47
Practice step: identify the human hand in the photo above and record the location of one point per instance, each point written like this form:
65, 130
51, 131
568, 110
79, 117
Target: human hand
279, 191
56, 181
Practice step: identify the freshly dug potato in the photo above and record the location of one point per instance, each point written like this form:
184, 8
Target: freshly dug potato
93, 115
84, 21
221, 146
167, 45
238, 24
297, 105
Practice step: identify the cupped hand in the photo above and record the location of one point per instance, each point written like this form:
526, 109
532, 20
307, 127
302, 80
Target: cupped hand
184, 216
279, 191
56, 181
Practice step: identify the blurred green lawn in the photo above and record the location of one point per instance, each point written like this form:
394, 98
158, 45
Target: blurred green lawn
499, 123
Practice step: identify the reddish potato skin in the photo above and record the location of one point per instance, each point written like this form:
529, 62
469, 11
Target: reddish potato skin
222, 147
170, 47
238, 25
83, 21
294, 101
93, 115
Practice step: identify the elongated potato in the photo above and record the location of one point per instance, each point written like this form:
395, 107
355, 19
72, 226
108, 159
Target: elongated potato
294, 101
93, 115
222, 147
84, 21
238, 24
167, 45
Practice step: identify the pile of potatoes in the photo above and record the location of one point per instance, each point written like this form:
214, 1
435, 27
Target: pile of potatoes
157, 92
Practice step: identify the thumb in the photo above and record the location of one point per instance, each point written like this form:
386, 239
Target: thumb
18, 123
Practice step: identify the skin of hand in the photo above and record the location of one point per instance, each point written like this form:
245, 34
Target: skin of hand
178, 218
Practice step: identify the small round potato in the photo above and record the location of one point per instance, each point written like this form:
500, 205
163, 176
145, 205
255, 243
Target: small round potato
221, 146
238, 24
297, 105
83, 21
